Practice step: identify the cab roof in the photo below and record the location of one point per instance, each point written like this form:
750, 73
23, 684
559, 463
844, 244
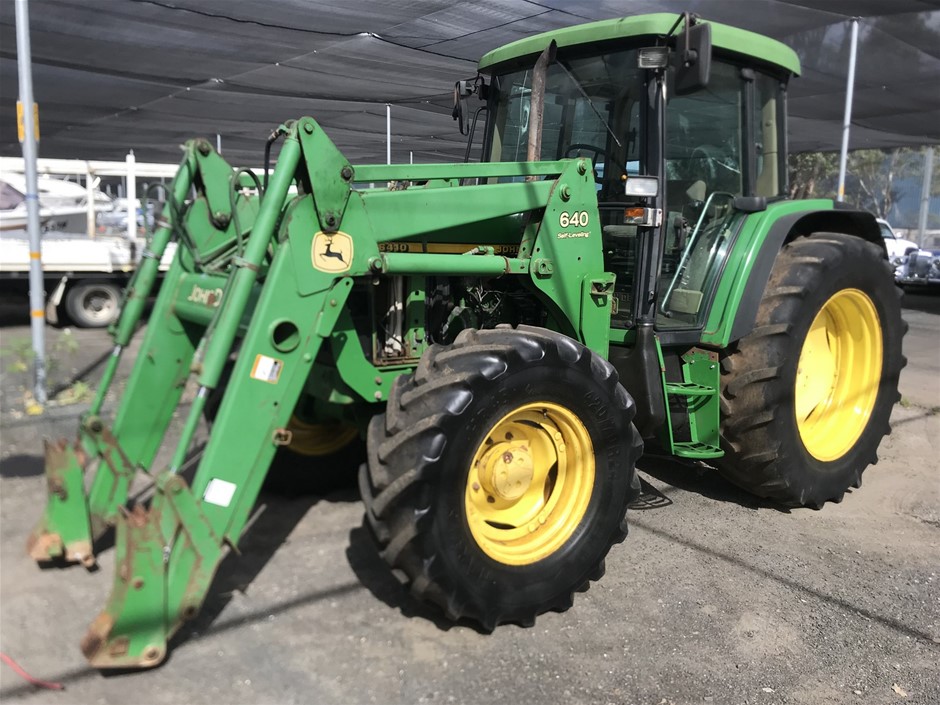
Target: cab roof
739, 41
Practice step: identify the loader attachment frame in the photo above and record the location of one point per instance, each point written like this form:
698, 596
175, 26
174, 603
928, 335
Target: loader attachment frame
72, 520
258, 290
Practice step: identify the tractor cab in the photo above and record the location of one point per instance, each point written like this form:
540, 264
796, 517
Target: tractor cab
686, 132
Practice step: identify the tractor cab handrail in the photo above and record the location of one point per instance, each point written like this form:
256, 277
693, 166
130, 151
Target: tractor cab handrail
697, 233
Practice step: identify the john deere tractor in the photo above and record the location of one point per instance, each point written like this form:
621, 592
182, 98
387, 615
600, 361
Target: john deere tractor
621, 267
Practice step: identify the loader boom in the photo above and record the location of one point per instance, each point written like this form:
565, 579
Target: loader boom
277, 303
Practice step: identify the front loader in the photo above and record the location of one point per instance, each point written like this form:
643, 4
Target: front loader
621, 268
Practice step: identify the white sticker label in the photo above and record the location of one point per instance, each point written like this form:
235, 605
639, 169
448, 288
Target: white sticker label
219, 492
266, 369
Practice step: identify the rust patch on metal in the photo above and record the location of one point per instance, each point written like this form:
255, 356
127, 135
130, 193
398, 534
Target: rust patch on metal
81, 552
137, 517
81, 456
119, 647
56, 446
56, 453
112, 442
44, 546
97, 635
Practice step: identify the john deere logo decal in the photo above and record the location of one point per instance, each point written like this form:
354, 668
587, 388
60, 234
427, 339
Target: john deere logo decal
332, 252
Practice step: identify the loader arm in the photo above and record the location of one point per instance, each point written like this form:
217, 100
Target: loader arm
266, 279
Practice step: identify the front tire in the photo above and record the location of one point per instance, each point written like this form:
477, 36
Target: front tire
499, 476
807, 395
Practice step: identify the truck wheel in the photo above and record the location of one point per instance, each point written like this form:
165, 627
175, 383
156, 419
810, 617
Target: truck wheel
806, 396
93, 304
499, 476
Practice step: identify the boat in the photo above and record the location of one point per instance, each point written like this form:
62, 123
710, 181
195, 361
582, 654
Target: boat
63, 205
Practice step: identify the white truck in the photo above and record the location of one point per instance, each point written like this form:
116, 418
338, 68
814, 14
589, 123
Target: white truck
85, 276
84, 270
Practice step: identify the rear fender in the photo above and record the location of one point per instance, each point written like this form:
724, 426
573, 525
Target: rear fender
771, 230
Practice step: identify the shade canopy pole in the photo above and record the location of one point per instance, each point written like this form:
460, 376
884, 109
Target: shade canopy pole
37, 297
90, 212
925, 198
131, 192
847, 121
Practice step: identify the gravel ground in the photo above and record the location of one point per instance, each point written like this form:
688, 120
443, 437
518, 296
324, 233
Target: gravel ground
714, 596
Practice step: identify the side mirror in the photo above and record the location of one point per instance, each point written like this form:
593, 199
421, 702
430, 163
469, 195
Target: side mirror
694, 58
462, 91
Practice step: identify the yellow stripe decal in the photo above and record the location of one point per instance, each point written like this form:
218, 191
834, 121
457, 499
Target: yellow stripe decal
444, 248
37, 313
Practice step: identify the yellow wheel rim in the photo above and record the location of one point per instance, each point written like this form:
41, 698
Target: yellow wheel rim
319, 439
838, 374
530, 483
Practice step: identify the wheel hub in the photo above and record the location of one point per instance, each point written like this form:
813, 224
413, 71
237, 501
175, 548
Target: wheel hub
530, 483
507, 470
838, 374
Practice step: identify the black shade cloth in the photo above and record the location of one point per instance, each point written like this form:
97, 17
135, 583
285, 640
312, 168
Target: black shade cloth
113, 75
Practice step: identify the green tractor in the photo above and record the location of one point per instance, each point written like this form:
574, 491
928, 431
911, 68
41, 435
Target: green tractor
622, 267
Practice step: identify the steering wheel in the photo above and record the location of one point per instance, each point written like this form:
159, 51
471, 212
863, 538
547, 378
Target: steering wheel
716, 168
597, 152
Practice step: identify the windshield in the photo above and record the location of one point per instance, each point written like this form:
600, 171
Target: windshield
592, 109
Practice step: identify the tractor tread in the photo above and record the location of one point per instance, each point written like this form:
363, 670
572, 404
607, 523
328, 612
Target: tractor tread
762, 455
404, 444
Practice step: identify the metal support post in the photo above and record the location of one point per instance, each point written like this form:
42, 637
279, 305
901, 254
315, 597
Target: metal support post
37, 295
847, 120
131, 201
388, 133
89, 200
925, 198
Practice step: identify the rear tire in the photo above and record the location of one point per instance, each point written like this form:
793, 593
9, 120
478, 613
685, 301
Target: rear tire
807, 395
93, 304
488, 525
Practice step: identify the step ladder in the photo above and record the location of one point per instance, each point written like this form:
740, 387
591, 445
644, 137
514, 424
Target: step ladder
699, 390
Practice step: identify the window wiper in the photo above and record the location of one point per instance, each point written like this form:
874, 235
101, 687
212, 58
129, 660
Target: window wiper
589, 102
